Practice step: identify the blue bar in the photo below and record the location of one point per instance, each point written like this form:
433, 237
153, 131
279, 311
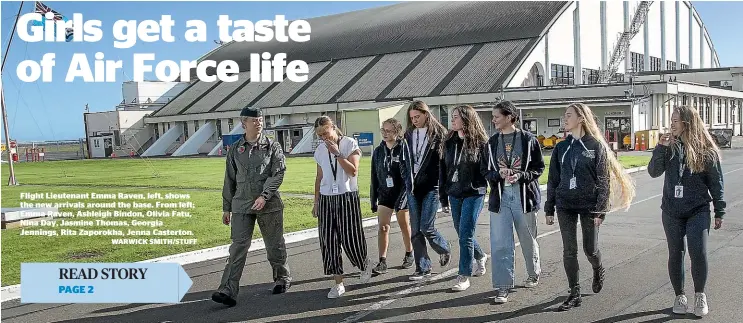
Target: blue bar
103, 283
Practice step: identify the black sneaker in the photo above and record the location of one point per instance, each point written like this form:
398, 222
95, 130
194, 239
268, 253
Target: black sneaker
223, 299
598, 279
282, 285
381, 268
420, 275
573, 300
501, 296
444, 259
408, 262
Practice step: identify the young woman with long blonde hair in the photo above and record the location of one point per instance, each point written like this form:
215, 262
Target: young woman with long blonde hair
586, 181
691, 161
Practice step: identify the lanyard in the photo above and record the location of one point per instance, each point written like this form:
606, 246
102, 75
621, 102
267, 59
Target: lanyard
387, 155
505, 152
682, 164
334, 168
458, 159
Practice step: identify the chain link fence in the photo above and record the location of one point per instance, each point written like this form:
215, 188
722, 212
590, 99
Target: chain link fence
52, 150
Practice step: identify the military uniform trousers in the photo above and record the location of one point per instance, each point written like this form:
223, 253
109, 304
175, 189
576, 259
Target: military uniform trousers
242, 225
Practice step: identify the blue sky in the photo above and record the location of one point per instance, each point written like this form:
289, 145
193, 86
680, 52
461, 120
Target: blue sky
53, 111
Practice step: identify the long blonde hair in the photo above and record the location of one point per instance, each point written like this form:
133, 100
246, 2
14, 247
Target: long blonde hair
621, 185
700, 147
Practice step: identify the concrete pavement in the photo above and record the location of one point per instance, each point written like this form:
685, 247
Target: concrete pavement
633, 247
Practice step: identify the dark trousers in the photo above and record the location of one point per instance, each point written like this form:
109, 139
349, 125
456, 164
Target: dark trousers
339, 224
696, 229
568, 221
241, 232
422, 225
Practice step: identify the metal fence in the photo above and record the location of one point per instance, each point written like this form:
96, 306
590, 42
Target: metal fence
52, 150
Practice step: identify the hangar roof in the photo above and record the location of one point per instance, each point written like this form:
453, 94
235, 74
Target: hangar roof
400, 51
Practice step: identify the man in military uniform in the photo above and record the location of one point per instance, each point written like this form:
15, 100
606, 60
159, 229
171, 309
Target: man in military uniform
255, 170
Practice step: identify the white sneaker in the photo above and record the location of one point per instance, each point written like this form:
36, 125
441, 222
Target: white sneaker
531, 282
480, 266
462, 284
337, 291
366, 274
680, 306
700, 304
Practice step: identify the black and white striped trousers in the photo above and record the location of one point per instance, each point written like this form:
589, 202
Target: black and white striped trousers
339, 224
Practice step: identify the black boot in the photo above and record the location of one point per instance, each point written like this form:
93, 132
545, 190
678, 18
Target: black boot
223, 298
598, 279
573, 300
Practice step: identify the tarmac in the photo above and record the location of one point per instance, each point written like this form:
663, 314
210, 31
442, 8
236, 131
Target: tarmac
633, 246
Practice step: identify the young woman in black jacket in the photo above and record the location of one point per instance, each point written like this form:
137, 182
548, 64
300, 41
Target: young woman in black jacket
586, 181
421, 161
691, 161
513, 166
387, 193
465, 188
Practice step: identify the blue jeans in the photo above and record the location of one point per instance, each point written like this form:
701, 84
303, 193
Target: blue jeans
422, 219
502, 244
464, 213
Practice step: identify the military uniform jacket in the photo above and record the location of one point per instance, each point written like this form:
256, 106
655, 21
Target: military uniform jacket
253, 171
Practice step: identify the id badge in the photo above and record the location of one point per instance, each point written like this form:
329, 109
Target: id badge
335, 188
573, 183
455, 177
678, 191
390, 183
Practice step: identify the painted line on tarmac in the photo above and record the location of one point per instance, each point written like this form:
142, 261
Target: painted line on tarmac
381, 304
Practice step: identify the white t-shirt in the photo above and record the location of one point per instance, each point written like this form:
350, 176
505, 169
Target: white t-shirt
420, 140
342, 180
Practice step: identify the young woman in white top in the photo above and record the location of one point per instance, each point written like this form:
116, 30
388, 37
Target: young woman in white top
337, 204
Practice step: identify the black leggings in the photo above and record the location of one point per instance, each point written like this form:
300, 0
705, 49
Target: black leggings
568, 221
696, 230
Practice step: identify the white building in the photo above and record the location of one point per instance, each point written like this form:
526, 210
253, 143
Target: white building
631, 61
123, 130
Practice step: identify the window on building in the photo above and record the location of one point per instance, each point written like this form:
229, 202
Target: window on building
637, 61
733, 112
618, 77
708, 110
719, 110
157, 132
444, 113
219, 129
740, 106
230, 123
195, 126
695, 103
563, 75
590, 76
684, 100
655, 63
670, 65
185, 131
684, 67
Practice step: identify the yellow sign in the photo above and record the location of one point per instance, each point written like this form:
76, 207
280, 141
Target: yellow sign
3, 147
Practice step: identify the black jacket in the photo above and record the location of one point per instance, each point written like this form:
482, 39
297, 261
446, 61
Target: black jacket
699, 189
591, 194
382, 159
531, 170
427, 178
469, 180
